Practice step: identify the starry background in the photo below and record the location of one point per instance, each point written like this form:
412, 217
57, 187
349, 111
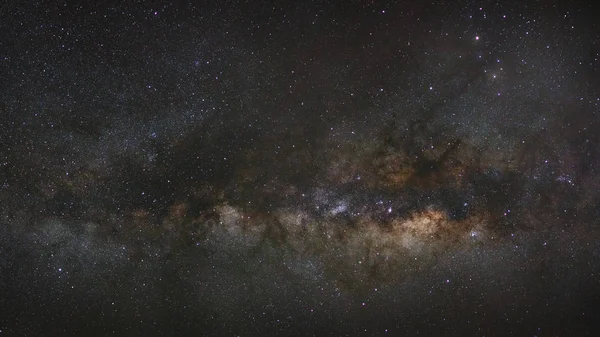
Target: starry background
299, 168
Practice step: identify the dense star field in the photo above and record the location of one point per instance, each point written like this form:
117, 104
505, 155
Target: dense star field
300, 168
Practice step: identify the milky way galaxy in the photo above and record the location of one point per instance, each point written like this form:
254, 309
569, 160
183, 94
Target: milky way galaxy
246, 169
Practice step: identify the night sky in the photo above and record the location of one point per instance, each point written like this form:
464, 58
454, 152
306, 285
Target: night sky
300, 168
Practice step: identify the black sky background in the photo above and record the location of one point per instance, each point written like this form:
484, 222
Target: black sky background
299, 168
